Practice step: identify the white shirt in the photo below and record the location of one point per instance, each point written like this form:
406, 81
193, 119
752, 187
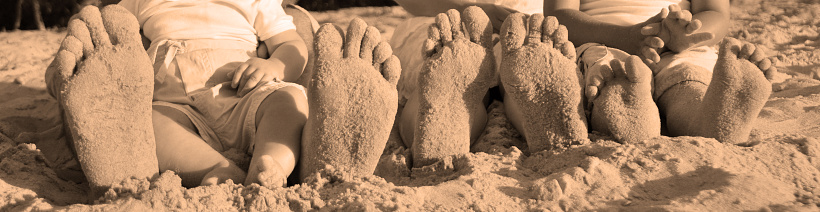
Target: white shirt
627, 12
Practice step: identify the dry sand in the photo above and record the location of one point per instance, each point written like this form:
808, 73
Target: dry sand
778, 171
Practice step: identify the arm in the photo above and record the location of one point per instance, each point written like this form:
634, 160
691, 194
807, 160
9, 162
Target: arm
287, 61
714, 15
585, 29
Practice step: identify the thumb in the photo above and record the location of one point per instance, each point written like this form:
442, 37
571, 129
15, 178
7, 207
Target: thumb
658, 17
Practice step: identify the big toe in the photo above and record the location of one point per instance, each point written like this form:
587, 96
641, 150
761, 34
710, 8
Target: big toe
478, 27
122, 27
513, 32
637, 71
328, 43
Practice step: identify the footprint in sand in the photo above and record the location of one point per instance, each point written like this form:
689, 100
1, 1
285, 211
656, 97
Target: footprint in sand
103, 81
352, 98
539, 75
738, 91
458, 72
624, 107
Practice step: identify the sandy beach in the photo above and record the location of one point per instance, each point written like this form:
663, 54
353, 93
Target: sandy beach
779, 170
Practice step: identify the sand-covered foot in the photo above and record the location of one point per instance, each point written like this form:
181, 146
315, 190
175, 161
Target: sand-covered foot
222, 172
266, 172
352, 100
103, 80
738, 91
538, 72
624, 107
458, 72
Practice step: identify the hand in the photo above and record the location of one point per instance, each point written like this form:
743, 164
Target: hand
678, 30
252, 72
652, 45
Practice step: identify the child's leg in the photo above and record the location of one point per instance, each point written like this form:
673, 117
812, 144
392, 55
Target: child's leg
353, 100
459, 70
542, 90
279, 123
180, 149
102, 79
726, 108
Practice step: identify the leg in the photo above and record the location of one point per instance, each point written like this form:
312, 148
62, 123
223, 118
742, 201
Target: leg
541, 82
279, 123
724, 109
459, 69
624, 108
352, 100
101, 72
180, 149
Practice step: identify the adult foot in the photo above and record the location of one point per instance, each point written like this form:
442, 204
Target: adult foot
459, 69
539, 75
100, 73
223, 172
738, 91
624, 107
352, 100
266, 172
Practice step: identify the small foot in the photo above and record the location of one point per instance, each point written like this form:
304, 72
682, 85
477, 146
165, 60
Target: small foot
266, 172
352, 100
459, 69
223, 172
624, 107
540, 77
738, 91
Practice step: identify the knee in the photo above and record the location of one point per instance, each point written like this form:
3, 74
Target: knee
288, 103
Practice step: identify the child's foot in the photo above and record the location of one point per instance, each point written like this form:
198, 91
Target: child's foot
738, 91
624, 107
266, 172
223, 172
539, 74
100, 73
458, 72
352, 100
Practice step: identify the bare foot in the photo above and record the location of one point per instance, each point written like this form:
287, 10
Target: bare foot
222, 172
624, 107
738, 91
539, 74
100, 73
459, 69
352, 100
266, 172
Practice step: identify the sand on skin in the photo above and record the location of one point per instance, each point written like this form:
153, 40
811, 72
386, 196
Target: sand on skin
684, 173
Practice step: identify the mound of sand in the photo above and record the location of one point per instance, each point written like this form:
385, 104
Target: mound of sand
778, 171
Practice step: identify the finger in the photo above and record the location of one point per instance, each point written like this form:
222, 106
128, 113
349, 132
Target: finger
701, 37
651, 29
651, 54
237, 75
658, 17
653, 42
685, 17
253, 80
693, 26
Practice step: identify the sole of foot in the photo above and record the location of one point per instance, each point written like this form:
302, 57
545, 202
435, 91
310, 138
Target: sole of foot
738, 91
459, 69
624, 107
100, 73
352, 100
541, 79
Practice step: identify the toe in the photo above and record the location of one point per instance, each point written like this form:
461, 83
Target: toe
513, 32
59, 71
637, 71
328, 42
443, 24
455, 23
93, 20
391, 70
382, 52
478, 26
353, 41
548, 29
122, 27
729, 48
78, 30
433, 41
372, 38
747, 50
534, 33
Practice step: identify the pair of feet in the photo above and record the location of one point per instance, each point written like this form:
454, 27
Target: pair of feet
539, 76
102, 71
